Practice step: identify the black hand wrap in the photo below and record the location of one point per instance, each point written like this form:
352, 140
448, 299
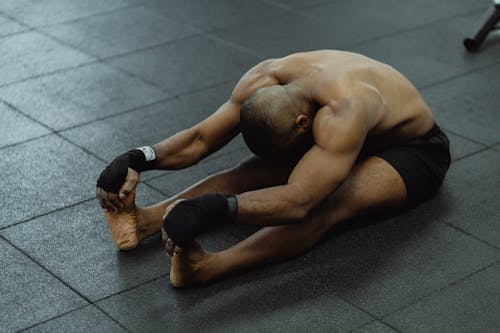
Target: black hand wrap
113, 177
190, 217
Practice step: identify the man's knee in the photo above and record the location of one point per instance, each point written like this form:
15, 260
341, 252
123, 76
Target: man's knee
316, 224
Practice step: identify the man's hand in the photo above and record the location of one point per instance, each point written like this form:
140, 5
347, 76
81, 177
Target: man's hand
121, 176
111, 202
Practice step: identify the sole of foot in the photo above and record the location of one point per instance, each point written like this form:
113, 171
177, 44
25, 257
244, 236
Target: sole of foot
124, 225
188, 263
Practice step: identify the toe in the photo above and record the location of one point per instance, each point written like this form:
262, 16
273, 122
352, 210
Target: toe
169, 244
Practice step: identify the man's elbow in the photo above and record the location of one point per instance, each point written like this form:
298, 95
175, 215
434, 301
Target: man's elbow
298, 206
199, 145
300, 212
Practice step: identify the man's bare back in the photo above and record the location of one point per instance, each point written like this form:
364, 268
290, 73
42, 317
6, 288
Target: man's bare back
396, 109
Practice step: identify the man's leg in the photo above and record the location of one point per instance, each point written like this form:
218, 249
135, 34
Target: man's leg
135, 223
372, 186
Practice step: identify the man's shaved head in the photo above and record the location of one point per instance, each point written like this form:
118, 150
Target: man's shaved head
269, 120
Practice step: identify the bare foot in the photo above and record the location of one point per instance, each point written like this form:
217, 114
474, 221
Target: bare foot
188, 266
124, 225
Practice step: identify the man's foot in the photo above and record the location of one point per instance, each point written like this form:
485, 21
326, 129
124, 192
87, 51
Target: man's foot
124, 225
189, 265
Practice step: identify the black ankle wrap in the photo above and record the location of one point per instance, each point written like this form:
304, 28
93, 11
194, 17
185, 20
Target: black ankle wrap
191, 217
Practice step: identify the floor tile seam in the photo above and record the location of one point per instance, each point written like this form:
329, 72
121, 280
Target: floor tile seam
103, 60
212, 32
385, 315
148, 48
42, 266
129, 289
438, 290
53, 131
25, 141
471, 71
82, 18
202, 88
246, 21
416, 27
322, 2
95, 60
34, 217
137, 77
278, 4
466, 156
361, 309
106, 60
140, 107
14, 19
26, 24
463, 231
120, 113
395, 329
482, 144
363, 325
71, 311
24, 114
52, 318
236, 46
116, 321
161, 276
64, 129
366, 312
12, 34
91, 198
81, 202
85, 150
133, 109
117, 114
50, 73
347, 45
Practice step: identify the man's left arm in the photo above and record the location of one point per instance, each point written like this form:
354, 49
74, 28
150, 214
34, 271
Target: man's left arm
339, 138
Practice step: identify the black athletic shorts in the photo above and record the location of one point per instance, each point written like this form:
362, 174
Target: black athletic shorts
421, 162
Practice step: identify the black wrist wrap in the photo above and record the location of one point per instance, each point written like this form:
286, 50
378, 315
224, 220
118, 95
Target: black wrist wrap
113, 177
137, 161
191, 217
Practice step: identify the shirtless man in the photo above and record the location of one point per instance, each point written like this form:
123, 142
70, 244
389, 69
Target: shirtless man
335, 134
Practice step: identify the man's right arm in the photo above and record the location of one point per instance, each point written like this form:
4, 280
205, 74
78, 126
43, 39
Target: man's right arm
181, 150
191, 145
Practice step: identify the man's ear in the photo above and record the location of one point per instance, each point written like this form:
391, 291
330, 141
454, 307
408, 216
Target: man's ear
302, 121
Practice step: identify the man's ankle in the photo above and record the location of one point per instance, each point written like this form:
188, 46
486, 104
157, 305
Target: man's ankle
147, 223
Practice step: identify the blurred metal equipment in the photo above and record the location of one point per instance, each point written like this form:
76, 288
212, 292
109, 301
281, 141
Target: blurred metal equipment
488, 23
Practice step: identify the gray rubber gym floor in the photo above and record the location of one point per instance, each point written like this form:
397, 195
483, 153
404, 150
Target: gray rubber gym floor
83, 81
